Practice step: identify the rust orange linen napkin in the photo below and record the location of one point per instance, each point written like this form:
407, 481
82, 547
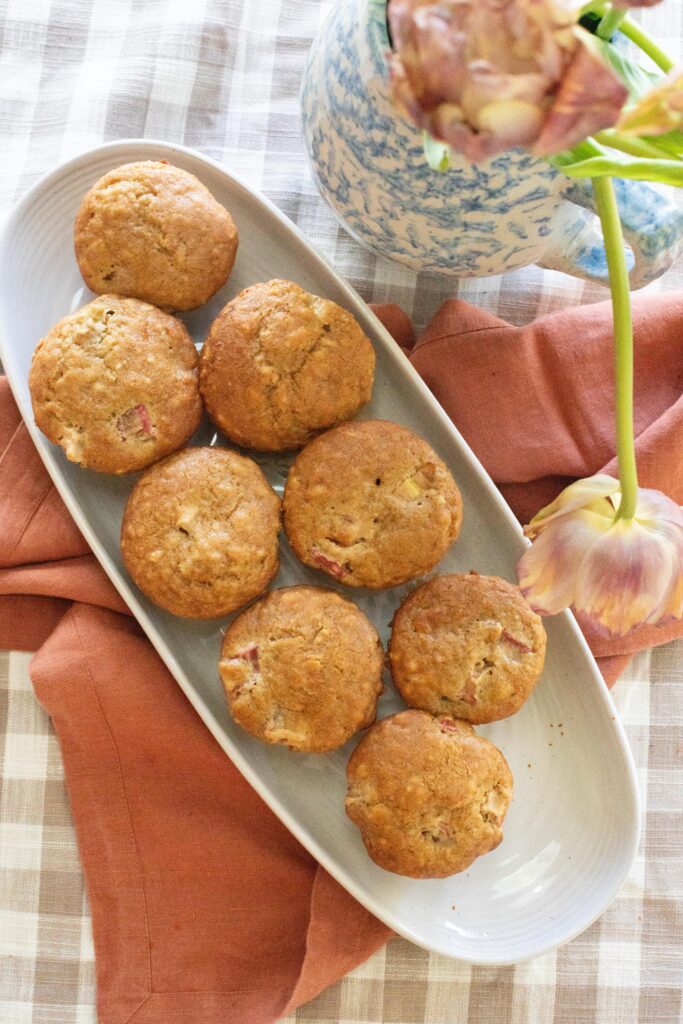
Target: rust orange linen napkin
204, 908
536, 404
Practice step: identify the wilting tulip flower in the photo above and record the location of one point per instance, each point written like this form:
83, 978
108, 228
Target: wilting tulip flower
487, 75
619, 573
659, 111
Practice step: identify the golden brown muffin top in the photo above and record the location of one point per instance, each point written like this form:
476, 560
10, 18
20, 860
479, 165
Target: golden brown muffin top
302, 667
199, 532
467, 645
154, 232
280, 365
371, 504
115, 384
427, 793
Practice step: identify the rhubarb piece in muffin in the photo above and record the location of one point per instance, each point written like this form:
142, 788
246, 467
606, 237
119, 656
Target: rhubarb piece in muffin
200, 532
154, 232
115, 384
302, 667
468, 646
371, 504
280, 365
428, 795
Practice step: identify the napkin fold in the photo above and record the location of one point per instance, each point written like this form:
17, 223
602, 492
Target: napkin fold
204, 907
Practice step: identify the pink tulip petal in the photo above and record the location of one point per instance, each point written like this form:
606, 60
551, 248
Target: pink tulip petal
628, 578
671, 605
429, 49
590, 98
655, 507
661, 515
403, 94
592, 493
548, 571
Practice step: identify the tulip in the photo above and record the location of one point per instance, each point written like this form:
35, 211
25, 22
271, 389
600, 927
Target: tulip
617, 572
608, 548
487, 75
483, 76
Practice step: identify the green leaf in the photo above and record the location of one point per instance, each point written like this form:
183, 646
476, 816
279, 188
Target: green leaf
668, 172
637, 80
438, 154
581, 151
671, 142
633, 145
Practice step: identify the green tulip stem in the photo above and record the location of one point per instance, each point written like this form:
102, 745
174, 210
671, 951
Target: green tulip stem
610, 23
608, 212
593, 7
632, 30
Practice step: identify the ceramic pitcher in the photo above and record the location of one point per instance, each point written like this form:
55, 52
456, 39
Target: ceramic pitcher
513, 210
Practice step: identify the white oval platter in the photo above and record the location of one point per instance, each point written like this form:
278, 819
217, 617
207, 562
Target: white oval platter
572, 830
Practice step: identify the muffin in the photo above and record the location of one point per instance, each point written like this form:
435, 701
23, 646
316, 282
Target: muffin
281, 365
428, 795
154, 232
115, 384
302, 667
468, 646
199, 532
371, 504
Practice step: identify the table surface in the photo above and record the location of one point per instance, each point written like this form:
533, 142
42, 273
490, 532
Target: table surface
222, 76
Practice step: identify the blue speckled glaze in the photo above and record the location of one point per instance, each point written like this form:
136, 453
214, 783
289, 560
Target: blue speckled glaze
513, 210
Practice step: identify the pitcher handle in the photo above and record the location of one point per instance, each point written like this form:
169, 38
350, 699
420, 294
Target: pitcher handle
652, 225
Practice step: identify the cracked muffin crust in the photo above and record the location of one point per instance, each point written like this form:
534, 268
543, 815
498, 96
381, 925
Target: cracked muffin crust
371, 504
302, 667
428, 795
115, 384
154, 232
280, 365
200, 532
468, 646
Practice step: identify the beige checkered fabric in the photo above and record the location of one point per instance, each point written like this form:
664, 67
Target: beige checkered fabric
222, 76
626, 969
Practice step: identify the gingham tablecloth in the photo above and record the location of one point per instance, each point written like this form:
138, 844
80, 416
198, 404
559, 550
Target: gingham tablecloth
223, 76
